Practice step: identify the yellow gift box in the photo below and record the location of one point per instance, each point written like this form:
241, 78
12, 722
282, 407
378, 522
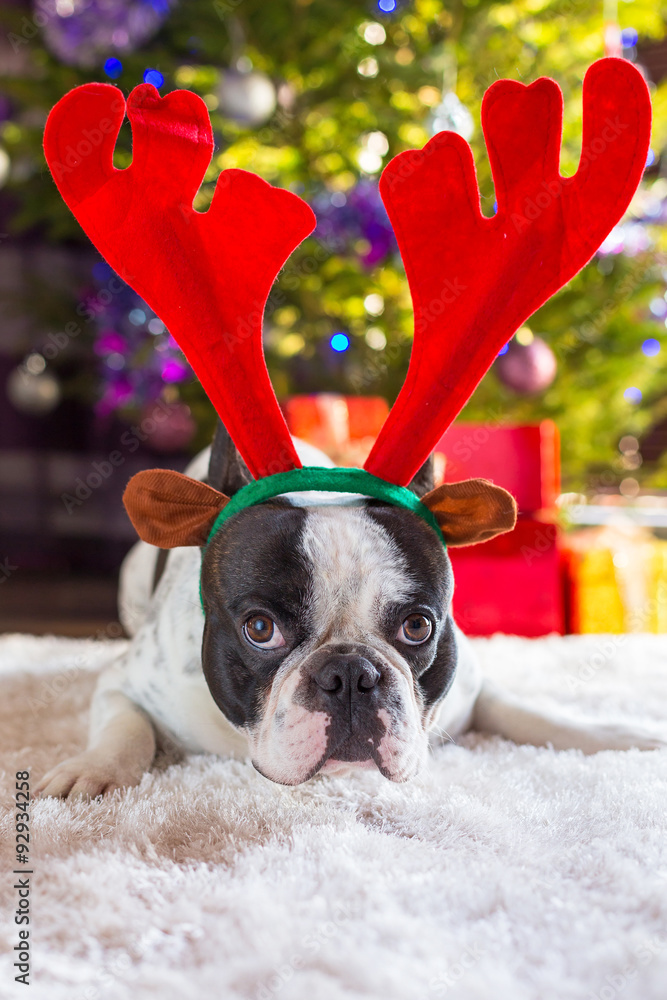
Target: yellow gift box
617, 580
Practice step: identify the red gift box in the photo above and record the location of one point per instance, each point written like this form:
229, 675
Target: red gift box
344, 427
525, 460
512, 583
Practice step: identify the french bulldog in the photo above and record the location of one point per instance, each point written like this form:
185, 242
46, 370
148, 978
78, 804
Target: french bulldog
323, 642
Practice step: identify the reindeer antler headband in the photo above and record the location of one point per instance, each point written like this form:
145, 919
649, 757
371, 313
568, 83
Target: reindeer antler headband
474, 280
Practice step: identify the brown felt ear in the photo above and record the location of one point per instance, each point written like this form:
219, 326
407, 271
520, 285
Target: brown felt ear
169, 509
472, 511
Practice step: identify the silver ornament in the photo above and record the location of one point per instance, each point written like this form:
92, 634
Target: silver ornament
246, 98
35, 394
451, 115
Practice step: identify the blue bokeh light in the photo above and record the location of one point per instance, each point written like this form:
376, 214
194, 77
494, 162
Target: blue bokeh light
651, 347
101, 271
629, 37
113, 68
633, 395
505, 349
650, 159
387, 6
153, 76
339, 342
137, 317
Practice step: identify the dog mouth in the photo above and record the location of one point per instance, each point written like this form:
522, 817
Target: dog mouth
314, 725
336, 767
330, 766
356, 753
349, 755
341, 768
344, 758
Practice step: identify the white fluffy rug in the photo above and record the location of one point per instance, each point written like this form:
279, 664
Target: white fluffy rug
504, 872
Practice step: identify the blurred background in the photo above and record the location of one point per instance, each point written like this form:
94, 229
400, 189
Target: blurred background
316, 97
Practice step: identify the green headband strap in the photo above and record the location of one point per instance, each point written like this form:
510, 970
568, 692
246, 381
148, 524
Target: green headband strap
319, 479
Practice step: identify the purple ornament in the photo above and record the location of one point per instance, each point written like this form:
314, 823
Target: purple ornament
527, 369
110, 342
137, 354
85, 32
114, 397
343, 220
174, 370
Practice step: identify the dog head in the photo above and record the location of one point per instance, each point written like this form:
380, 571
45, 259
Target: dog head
328, 636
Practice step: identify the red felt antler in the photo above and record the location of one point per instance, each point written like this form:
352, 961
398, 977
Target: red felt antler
207, 275
475, 280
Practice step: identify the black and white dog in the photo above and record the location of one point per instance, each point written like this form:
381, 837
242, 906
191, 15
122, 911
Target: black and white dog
326, 643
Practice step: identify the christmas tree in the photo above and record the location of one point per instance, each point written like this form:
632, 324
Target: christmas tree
317, 97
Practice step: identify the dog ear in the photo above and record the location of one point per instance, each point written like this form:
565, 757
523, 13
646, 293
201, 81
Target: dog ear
169, 509
423, 480
227, 471
471, 511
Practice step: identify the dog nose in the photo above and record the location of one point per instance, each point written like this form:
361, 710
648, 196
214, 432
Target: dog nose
347, 675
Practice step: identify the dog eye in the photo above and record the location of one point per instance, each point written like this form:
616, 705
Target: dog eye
262, 631
415, 630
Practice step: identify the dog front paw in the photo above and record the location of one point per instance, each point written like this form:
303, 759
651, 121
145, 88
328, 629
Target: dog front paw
86, 776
